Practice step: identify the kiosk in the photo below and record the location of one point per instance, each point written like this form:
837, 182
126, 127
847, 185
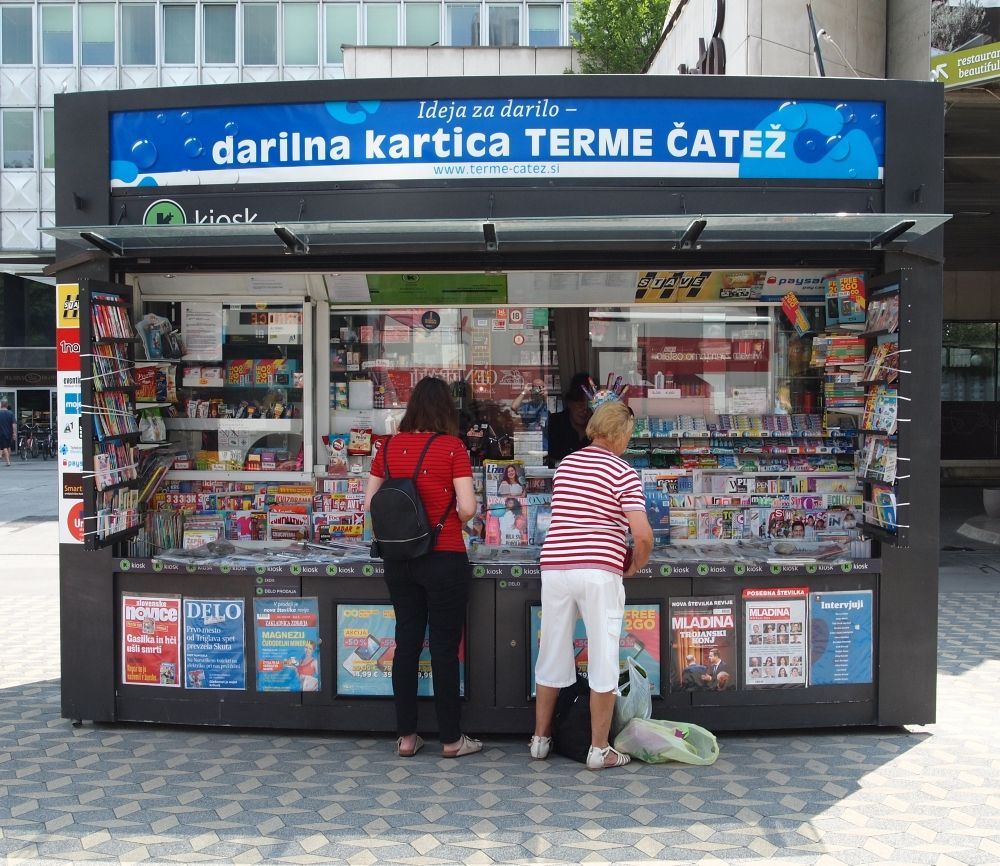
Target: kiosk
252, 277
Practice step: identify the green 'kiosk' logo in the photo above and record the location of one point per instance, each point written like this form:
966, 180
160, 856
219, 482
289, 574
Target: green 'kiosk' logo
164, 212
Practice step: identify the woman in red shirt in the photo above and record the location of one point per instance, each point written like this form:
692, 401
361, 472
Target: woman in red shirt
432, 590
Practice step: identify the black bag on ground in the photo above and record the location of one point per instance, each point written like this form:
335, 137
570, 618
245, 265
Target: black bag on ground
400, 528
571, 723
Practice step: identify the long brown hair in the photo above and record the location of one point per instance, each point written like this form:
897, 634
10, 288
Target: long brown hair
430, 409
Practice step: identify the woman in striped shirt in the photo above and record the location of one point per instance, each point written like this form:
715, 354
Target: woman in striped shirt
596, 498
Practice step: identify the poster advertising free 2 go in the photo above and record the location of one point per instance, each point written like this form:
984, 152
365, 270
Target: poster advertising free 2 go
456, 139
366, 647
287, 640
640, 639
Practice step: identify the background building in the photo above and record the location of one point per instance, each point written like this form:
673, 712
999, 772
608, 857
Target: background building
48, 48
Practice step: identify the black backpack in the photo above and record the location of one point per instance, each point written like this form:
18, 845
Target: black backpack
400, 529
571, 722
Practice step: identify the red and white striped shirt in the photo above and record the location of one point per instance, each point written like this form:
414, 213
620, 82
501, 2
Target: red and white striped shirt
591, 492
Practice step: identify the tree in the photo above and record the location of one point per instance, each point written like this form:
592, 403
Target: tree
952, 26
618, 36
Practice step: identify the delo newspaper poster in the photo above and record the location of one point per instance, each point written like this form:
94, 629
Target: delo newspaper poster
214, 643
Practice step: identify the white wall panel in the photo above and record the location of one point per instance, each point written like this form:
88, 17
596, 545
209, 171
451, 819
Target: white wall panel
99, 78
220, 75
781, 60
481, 61
19, 231
372, 63
18, 190
517, 61
408, 62
301, 73
261, 73
555, 61
48, 220
445, 62
179, 76
17, 86
47, 185
134, 77
56, 79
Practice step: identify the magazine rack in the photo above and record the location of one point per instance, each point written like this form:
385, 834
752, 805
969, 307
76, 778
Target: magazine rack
883, 449
110, 429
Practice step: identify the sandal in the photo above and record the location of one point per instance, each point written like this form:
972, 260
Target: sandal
467, 746
596, 758
539, 747
409, 753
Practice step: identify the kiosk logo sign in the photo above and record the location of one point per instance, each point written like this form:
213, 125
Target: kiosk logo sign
166, 212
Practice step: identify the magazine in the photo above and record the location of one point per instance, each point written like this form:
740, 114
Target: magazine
703, 649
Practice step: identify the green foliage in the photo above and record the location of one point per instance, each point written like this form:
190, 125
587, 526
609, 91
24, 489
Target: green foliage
952, 26
618, 36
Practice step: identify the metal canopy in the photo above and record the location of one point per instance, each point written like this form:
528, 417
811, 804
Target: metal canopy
849, 231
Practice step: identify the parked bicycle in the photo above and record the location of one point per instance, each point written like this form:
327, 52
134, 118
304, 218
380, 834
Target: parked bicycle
27, 440
47, 443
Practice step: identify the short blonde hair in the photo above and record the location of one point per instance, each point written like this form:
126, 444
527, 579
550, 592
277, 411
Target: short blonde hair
612, 421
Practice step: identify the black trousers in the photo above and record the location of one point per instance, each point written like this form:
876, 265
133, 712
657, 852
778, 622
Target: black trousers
432, 590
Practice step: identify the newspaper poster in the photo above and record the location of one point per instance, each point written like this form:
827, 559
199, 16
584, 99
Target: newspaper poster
640, 639
287, 641
840, 637
215, 643
775, 636
366, 646
151, 640
703, 648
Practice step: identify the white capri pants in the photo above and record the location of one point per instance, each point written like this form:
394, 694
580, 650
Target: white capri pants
599, 596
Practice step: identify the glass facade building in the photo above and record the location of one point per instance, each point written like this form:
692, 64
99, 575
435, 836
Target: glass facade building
50, 48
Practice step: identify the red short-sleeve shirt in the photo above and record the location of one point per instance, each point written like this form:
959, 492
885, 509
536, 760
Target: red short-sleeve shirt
445, 461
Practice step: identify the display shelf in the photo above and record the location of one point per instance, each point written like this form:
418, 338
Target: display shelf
230, 386
119, 535
236, 475
132, 436
147, 445
156, 362
249, 425
128, 482
141, 404
812, 474
111, 341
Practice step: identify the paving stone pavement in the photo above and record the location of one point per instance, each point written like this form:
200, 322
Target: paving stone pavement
123, 794
156, 794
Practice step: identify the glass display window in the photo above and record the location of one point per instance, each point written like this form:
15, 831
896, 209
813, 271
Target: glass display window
236, 400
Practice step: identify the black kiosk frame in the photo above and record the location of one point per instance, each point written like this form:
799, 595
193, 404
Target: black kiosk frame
497, 223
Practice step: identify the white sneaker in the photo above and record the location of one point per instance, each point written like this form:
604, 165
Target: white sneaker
540, 747
596, 758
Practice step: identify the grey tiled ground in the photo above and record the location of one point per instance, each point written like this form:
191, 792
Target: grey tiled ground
130, 794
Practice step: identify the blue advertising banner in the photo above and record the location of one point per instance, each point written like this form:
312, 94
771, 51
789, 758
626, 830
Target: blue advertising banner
840, 637
214, 643
640, 639
287, 639
455, 139
366, 647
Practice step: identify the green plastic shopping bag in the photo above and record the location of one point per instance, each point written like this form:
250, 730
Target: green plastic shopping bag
657, 741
